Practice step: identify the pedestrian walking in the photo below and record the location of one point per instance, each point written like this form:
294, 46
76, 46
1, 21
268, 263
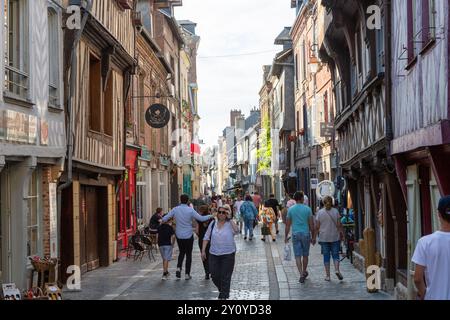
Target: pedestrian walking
220, 236
249, 213
432, 259
200, 231
166, 241
273, 203
155, 221
301, 219
237, 209
268, 218
331, 233
184, 215
257, 199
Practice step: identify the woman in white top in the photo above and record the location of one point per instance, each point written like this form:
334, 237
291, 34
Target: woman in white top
222, 250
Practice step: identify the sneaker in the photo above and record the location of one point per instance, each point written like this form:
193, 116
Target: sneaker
327, 278
165, 276
251, 238
302, 279
245, 238
178, 274
263, 239
207, 277
339, 275
188, 277
278, 231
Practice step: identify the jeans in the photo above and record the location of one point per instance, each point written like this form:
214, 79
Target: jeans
248, 225
185, 246
205, 262
330, 249
301, 243
221, 268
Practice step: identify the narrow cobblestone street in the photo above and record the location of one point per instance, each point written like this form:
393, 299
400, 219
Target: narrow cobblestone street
260, 274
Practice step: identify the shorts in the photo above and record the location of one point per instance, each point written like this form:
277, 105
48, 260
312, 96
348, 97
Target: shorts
301, 242
166, 252
330, 249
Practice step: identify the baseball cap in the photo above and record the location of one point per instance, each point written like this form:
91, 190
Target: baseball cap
444, 205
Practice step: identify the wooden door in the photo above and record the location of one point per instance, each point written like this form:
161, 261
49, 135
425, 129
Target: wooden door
92, 255
89, 256
82, 220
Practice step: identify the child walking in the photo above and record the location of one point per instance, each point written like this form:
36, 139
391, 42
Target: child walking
166, 241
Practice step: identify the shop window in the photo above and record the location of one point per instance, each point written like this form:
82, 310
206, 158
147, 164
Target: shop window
95, 90
109, 107
16, 47
33, 216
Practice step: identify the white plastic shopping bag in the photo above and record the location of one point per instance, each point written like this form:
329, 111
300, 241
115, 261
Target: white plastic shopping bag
287, 252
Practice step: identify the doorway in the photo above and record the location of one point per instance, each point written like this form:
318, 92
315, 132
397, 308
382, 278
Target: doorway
93, 228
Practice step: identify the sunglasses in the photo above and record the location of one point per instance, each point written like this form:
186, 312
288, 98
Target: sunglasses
222, 212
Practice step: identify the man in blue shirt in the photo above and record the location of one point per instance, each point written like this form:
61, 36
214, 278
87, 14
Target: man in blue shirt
301, 219
184, 215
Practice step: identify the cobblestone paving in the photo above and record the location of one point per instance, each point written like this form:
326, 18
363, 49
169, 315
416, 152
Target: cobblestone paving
353, 287
260, 274
250, 279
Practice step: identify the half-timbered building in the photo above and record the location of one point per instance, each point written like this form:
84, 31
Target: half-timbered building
101, 76
421, 117
356, 52
32, 139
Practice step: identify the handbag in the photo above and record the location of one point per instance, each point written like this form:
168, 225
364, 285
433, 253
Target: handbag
287, 252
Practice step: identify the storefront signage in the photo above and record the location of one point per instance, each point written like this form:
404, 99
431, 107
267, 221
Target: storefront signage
53, 221
157, 116
16, 126
164, 161
44, 133
325, 188
145, 154
326, 130
32, 130
314, 183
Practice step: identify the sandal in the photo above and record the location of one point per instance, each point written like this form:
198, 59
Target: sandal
339, 275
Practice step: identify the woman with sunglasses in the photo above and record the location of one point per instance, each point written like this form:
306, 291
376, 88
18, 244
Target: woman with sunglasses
220, 235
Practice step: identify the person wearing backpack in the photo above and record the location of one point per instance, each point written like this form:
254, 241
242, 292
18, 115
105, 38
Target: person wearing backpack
220, 236
249, 213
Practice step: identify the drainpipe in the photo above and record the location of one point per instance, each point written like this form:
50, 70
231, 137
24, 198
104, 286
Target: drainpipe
72, 80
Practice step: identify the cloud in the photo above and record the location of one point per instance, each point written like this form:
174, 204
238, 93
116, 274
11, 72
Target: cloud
229, 28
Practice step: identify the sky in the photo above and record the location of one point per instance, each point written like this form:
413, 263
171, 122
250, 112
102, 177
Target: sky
246, 28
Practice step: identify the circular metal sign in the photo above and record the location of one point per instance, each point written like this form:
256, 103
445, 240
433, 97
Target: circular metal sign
325, 188
157, 116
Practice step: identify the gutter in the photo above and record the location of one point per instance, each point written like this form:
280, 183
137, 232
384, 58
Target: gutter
73, 68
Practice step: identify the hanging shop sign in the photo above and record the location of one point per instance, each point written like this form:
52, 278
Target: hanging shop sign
314, 183
325, 188
157, 116
326, 129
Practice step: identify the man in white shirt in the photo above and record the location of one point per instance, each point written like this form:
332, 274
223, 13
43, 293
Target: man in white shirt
432, 259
